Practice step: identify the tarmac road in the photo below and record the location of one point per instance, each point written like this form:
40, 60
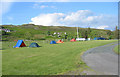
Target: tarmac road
102, 59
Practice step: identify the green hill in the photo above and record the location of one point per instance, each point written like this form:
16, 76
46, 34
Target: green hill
38, 32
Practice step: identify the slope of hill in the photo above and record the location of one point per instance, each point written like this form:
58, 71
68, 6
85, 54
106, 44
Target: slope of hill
38, 32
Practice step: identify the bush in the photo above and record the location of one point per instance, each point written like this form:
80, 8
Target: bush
4, 33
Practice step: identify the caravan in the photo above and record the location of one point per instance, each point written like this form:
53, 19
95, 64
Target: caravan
80, 39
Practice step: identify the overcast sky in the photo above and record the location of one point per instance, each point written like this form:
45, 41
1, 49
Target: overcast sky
100, 15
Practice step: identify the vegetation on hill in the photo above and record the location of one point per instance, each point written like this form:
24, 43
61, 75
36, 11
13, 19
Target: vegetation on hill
38, 32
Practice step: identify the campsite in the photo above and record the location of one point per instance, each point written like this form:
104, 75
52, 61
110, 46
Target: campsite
26, 55
49, 59
58, 38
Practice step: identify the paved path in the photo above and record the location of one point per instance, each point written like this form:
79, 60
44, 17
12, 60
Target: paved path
102, 59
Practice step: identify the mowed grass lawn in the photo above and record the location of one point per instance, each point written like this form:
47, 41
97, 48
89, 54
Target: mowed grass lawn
50, 59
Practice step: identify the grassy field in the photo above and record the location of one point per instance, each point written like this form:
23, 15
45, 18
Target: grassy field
116, 49
45, 60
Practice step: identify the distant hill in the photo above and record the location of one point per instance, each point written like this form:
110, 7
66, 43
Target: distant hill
39, 32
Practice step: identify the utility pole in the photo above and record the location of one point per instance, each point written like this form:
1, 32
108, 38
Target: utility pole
77, 33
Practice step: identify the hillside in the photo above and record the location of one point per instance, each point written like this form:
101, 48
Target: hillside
38, 32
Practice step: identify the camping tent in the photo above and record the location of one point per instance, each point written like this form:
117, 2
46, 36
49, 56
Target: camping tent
34, 45
52, 42
99, 38
20, 43
60, 41
72, 40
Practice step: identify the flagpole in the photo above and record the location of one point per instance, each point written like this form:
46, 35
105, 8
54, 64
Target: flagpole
77, 33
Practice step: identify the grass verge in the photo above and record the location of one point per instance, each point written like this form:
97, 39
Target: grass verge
116, 49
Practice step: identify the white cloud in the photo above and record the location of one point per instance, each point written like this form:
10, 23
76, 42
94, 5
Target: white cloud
48, 19
5, 6
37, 6
43, 6
102, 27
81, 18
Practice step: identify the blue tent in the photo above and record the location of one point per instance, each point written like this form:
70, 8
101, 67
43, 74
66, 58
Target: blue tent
20, 43
99, 38
52, 42
34, 45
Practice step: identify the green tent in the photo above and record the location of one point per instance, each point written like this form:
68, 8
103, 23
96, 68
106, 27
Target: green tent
34, 45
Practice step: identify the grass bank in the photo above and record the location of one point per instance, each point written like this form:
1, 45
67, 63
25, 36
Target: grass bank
116, 49
45, 60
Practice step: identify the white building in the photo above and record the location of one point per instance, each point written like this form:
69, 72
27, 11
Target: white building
65, 33
54, 33
6, 30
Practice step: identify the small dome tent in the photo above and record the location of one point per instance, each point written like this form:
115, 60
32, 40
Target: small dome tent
60, 41
99, 38
20, 43
53, 42
34, 45
72, 40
